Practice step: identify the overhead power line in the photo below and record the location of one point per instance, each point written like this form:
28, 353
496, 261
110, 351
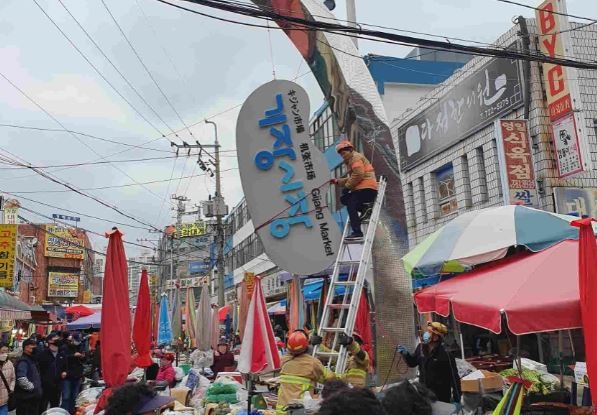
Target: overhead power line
554, 12
91, 163
377, 35
130, 104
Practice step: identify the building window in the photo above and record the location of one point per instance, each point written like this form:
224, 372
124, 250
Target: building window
422, 201
446, 190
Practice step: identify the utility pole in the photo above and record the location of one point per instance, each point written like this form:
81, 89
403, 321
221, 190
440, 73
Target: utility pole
215, 206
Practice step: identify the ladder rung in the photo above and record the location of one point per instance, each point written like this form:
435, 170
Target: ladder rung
334, 329
338, 306
345, 283
349, 262
328, 354
352, 241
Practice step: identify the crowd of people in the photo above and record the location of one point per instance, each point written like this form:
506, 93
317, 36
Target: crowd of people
47, 372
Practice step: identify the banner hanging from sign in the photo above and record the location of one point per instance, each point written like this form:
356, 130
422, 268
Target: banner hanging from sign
561, 89
63, 284
285, 179
8, 245
493, 90
516, 163
64, 242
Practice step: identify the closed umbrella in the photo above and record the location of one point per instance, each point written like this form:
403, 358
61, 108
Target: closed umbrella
203, 330
485, 235
176, 316
142, 324
259, 353
191, 315
587, 284
115, 334
164, 325
215, 327
243, 308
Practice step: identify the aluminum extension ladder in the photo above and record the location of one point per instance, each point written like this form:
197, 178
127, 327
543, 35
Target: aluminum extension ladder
352, 261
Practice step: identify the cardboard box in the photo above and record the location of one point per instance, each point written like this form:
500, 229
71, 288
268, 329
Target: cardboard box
480, 381
580, 373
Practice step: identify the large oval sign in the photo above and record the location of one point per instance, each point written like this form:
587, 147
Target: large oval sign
285, 179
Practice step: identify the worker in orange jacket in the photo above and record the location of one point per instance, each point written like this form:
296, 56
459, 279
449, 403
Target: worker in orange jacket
359, 187
300, 371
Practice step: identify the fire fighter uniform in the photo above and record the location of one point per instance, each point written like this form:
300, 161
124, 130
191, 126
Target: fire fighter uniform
357, 364
300, 372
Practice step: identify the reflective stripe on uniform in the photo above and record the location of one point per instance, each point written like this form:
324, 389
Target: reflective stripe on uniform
303, 382
356, 372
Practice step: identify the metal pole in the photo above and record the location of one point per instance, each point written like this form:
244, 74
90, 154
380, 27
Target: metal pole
351, 16
219, 228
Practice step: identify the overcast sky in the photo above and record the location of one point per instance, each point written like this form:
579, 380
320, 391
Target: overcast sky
205, 67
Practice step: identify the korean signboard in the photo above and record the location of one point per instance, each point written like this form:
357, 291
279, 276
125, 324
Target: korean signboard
187, 282
516, 162
187, 230
63, 284
199, 267
11, 211
576, 201
250, 283
493, 90
64, 242
561, 88
8, 244
285, 179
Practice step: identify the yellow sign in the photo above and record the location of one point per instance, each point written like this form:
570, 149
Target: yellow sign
63, 284
86, 297
187, 230
64, 242
250, 283
8, 244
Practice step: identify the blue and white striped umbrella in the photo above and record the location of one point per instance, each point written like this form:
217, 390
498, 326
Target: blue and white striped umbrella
485, 235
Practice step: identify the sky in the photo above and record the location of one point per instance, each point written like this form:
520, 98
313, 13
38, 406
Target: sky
199, 68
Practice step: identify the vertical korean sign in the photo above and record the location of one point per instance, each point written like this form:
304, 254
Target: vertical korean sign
285, 179
516, 162
8, 244
250, 283
561, 89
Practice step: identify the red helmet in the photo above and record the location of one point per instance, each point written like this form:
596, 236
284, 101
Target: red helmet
344, 145
357, 336
298, 342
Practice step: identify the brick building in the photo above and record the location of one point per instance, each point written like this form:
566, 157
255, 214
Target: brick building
448, 149
72, 276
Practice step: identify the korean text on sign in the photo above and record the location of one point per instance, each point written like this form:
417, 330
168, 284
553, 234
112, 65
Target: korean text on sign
283, 152
8, 243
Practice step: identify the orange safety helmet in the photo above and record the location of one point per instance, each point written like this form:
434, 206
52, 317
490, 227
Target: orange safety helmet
357, 336
298, 342
343, 145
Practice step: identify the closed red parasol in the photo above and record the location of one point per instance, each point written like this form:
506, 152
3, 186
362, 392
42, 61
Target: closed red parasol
587, 284
115, 335
142, 324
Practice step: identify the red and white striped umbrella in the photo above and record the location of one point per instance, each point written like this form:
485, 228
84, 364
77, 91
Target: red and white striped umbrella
259, 353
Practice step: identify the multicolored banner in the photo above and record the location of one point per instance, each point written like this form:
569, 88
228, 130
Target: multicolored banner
8, 244
64, 242
63, 284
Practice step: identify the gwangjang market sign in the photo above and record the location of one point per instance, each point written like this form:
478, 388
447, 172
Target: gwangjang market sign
285, 179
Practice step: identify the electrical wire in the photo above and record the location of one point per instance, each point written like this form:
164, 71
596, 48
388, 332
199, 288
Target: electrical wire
91, 163
45, 111
552, 11
377, 35
119, 186
118, 71
95, 137
97, 70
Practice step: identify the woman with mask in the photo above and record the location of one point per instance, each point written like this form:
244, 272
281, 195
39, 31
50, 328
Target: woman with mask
223, 358
8, 378
437, 368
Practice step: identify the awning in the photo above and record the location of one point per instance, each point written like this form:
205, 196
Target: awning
13, 309
277, 308
84, 323
536, 293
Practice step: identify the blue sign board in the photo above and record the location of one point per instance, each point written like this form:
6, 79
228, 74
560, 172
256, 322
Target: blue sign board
199, 267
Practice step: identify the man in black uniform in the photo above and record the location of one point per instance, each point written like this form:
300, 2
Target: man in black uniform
437, 368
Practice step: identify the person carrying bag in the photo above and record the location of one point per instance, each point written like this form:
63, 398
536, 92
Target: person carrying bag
8, 400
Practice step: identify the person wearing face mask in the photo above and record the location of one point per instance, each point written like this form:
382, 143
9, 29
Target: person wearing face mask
437, 368
28, 388
50, 361
8, 378
71, 373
